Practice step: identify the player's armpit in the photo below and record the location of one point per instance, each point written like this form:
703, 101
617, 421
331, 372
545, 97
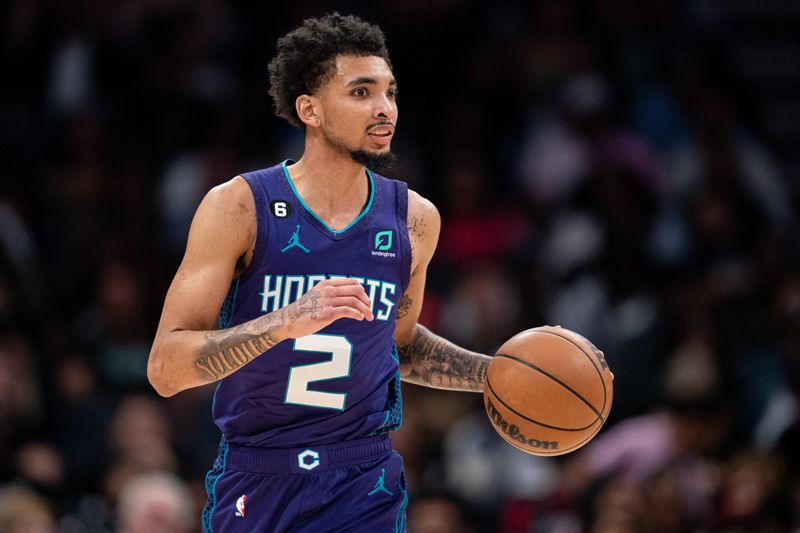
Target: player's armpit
432, 361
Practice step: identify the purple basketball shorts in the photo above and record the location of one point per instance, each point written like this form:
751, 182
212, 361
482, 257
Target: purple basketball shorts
350, 486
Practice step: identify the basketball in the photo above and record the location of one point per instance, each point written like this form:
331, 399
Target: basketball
548, 391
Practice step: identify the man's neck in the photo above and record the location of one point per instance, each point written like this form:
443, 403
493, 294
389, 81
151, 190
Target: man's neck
329, 169
332, 185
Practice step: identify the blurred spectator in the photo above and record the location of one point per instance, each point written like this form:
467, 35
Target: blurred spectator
617, 505
668, 456
140, 441
21, 289
117, 326
23, 511
478, 227
155, 503
80, 407
496, 472
20, 396
187, 179
482, 309
41, 465
727, 154
437, 513
753, 495
141, 433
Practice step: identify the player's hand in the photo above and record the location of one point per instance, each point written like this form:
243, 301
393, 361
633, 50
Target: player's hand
327, 302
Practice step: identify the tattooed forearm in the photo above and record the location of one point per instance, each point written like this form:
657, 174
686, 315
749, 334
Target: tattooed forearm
404, 306
435, 362
227, 350
226, 359
308, 304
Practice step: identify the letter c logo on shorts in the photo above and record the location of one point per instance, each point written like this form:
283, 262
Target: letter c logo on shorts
304, 462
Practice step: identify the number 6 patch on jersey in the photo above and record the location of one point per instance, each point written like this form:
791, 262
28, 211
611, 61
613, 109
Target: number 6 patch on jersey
280, 208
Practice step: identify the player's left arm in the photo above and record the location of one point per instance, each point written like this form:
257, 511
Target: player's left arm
425, 358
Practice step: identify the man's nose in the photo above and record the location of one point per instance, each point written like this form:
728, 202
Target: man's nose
385, 107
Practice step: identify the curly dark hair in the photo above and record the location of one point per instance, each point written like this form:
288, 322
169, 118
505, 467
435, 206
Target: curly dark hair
306, 57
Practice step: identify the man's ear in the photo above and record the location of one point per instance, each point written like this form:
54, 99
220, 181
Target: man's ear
307, 109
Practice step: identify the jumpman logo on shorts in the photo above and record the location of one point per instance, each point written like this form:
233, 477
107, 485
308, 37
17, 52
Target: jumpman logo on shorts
295, 241
379, 486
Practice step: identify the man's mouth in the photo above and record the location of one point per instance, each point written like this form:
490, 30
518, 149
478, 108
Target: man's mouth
381, 134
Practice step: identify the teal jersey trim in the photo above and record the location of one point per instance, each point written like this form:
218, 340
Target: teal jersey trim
381, 430
226, 311
305, 206
394, 403
225, 315
212, 477
400, 521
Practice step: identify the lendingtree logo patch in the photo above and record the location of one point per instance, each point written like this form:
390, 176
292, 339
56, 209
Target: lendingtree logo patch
383, 240
383, 243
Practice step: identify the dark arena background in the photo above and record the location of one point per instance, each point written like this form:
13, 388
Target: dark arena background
625, 169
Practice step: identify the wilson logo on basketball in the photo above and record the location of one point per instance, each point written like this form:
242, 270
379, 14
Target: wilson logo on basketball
512, 430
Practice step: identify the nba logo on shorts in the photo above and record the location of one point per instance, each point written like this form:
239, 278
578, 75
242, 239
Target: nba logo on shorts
240, 505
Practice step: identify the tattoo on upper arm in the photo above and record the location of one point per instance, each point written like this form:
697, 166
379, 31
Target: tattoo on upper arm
404, 306
416, 226
416, 230
439, 363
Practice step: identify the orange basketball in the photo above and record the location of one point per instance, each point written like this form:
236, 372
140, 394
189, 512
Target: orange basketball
548, 391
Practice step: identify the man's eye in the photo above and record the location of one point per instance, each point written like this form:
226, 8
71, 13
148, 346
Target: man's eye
393, 93
360, 92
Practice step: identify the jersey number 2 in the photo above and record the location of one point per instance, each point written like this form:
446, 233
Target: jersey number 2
300, 377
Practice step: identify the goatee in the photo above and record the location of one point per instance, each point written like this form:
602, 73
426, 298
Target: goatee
378, 162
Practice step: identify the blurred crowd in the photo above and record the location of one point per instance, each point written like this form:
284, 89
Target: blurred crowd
595, 165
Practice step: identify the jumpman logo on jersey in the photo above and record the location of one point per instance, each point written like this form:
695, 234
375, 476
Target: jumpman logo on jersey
294, 240
379, 486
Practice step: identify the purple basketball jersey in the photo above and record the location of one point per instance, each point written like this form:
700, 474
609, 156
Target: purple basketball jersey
341, 383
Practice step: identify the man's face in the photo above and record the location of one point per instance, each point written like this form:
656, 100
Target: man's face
359, 108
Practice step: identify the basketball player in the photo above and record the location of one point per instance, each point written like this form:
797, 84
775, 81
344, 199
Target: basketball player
323, 263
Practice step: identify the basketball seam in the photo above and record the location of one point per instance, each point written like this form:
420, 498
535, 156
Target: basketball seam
581, 443
499, 399
589, 357
570, 389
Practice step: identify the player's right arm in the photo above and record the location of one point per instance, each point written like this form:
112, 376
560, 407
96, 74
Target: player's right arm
186, 352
